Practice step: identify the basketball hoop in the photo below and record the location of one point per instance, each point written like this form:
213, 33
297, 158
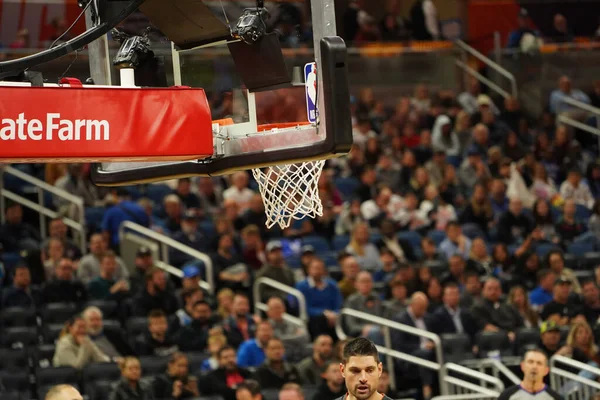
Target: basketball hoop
290, 191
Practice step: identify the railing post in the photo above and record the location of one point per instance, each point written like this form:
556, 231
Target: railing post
164, 249
387, 340
40, 196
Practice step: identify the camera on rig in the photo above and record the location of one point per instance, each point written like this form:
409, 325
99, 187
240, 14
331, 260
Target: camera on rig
251, 25
134, 50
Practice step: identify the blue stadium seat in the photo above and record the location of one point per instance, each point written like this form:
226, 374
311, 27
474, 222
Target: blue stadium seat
293, 261
318, 242
556, 213
134, 192
583, 213
14, 360
10, 261
455, 161
340, 242
17, 316
329, 258
543, 249
157, 192
572, 261
208, 228
412, 237
346, 186
580, 248
374, 237
94, 217
437, 236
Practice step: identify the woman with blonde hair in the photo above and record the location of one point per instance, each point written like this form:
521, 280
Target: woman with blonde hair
517, 297
462, 129
224, 301
580, 344
75, 348
130, 387
365, 253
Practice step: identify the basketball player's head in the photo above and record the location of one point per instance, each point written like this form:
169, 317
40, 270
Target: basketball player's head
361, 368
534, 366
63, 392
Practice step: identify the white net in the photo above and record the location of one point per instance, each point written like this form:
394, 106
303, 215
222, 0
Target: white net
290, 191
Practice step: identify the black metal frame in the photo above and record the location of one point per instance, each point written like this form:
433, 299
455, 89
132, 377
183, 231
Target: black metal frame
338, 139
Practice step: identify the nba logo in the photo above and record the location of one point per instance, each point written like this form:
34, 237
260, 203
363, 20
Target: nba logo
310, 77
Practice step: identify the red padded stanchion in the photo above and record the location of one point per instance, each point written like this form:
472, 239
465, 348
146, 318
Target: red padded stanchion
76, 123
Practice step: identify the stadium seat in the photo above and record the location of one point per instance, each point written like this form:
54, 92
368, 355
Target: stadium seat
374, 237
456, 347
293, 262
15, 382
10, 261
590, 260
543, 249
195, 361
109, 308
58, 313
437, 236
43, 355
99, 390
582, 213
572, 261
111, 324
329, 258
100, 372
270, 394
524, 338
56, 375
580, 248
152, 366
13, 360
15, 396
320, 244
437, 267
412, 237
17, 316
340, 242
493, 341
51, 332
208, 228
19, 337
94, 217
157, 192
136, 326
309, 391
346, 186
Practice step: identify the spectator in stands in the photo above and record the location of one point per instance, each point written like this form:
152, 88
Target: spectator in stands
15, 234
89, 264
194, 336
569, 226
111, 342
424, 21
397, 303
189, 297
310, 367
389, 266
323, 298
543, 186
451, 317
276, 269
157, 341
565, 90
224, 303
472, 292
123, 210
190, 236
401, 249
291, 391
177, 382
514, 38
591, 301
144, 261
528, 266
275, 371
63, 288
560, 32
500, 203
105, 286
20, 294
239, 191
210, 196
226, 379
468, 98
365, 253
192, 276
255, 215
542, 294
416, 316
58, 230
252, 352
429, 250
75, 348
364, 300
253, 251
517, 298
444, 139
472, 170
229, 268
556, 262
294, 337
248, 390
580, 344
549, 338
563, 308
456, 271
130, 386
173, 211
215, 342
155, 295
478, 214
455, 242
240, 326
514, 226
55, 253
367, 188
493, 314
479, 259
574, 189
189, 199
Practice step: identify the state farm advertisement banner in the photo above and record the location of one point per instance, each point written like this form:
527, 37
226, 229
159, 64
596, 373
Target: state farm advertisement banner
94, 124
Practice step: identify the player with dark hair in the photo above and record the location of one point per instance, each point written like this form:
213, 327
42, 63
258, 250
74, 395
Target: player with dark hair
535, 368
361, 370
63, 392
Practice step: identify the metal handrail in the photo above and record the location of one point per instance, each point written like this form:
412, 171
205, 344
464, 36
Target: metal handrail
578, 124
259, 305
497, 366
165, 242
556, 373
484, 378
386, 324
41, 186
482, 78
490, 63
579, 104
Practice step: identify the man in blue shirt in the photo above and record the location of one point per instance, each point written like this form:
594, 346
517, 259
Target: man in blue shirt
542, 294
252, 352
123, 210
323, 299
